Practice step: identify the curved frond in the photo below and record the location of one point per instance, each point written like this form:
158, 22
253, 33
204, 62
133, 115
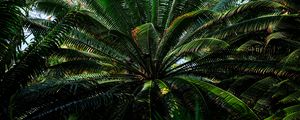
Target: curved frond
257, 90
293, 97
78, 66
146, 37
239, 109
255, 6
292, 60
201, 46
251, 25
180, 29
53, 7
92, 102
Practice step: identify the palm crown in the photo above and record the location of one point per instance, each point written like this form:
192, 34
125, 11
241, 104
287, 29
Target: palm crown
153, 59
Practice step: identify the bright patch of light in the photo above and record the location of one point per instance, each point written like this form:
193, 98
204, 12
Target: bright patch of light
36, 14
181, 61
242, 2
28, 36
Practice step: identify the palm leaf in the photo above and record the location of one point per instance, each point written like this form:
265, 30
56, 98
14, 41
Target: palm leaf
73, 54
240, 83
291, 60
223, 5
32, 62
293, 97
255, 24
239, 109
186, 22
240, 11
289, 113
53, 7
257, 90
293, 116
202, 46
11, 36
279, 37
78, 66
147, 38
91, 102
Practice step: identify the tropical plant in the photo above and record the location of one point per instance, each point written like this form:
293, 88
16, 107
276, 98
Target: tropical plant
153, 59
11, 38
19, 67
274, 97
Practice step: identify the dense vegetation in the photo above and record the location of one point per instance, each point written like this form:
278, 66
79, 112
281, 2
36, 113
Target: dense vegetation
150, 59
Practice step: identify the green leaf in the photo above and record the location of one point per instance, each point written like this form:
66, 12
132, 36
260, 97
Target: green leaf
91, 102
292, 60
201, 46
293, 97
146, 38
293, 116
251, 25
258, 89
237, 107
279, 37
186, 22
53, 7
251, 7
